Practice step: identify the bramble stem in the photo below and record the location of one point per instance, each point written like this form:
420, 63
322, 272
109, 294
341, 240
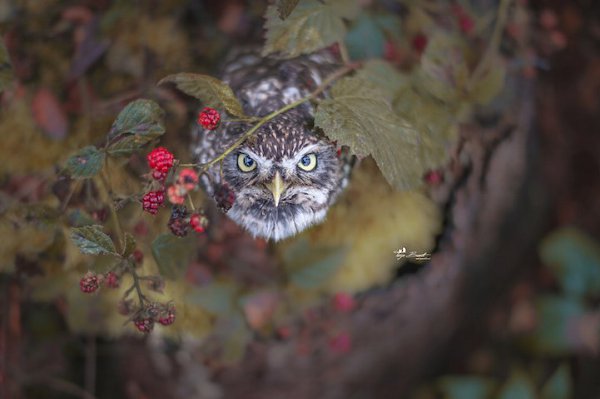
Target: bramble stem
113, 213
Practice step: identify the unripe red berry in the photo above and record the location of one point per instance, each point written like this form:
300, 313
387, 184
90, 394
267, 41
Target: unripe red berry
111, 280
188, 178
434, 177
160, 159
89, 283
138, 256
144, 325
209, 118
198, 222
152, 201
158, 175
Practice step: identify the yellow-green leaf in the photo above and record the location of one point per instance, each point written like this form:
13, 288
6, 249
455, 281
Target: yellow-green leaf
385, 76
128, 144
210, 91
86, 163
311, 26
358, 115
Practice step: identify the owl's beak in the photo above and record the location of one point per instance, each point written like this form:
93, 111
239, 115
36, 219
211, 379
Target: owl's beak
277, 187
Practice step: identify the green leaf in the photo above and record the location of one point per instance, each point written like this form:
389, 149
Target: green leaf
129, 245
86, 163
6, 71
309, 267
517, 387
465, 387
559, 385
285, 7
217, 298
311, 26
554, 315
357, 115
236, 336
172, 254
128, 144
387, 78
575, 260
140, 117
210, 91
91, 240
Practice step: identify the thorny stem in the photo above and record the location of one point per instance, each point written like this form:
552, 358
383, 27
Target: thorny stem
490, 51
326, 82
136, 285
344, 52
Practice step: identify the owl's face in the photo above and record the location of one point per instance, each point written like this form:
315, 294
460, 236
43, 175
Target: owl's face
284, 179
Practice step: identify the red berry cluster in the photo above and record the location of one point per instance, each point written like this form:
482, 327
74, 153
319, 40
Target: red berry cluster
209, 118
144, 324
111, 280
163, 314
152, 201
185, 182
160, 160
89, 283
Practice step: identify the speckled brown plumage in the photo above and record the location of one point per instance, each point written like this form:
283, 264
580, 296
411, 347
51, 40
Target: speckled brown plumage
264, 85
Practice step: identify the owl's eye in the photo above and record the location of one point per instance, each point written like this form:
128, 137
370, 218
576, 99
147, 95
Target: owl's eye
246, 163
308, 162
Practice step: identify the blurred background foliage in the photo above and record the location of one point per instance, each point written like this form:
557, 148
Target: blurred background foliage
76, 64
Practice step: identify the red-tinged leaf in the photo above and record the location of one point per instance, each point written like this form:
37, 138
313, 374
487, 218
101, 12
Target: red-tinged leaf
49, 115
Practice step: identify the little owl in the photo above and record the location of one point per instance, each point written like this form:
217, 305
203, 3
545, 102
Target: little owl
284, 178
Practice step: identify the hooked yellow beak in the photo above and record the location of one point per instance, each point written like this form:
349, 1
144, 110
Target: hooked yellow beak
277, 187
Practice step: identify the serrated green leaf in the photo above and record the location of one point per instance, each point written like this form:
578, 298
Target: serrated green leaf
86, 163
551, 334
210, 91
285, 7
129, 245
311, 26
357, 115
517, 387
465, 387
172, 254
140, 117
309, 267
91, 240
128, 144
6, 71
575, 260
217, 298
387, 78
559, 385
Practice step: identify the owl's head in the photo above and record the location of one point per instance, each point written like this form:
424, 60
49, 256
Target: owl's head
284, 178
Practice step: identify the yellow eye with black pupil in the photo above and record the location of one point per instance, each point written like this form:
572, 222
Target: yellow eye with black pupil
308, 162
246, 163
